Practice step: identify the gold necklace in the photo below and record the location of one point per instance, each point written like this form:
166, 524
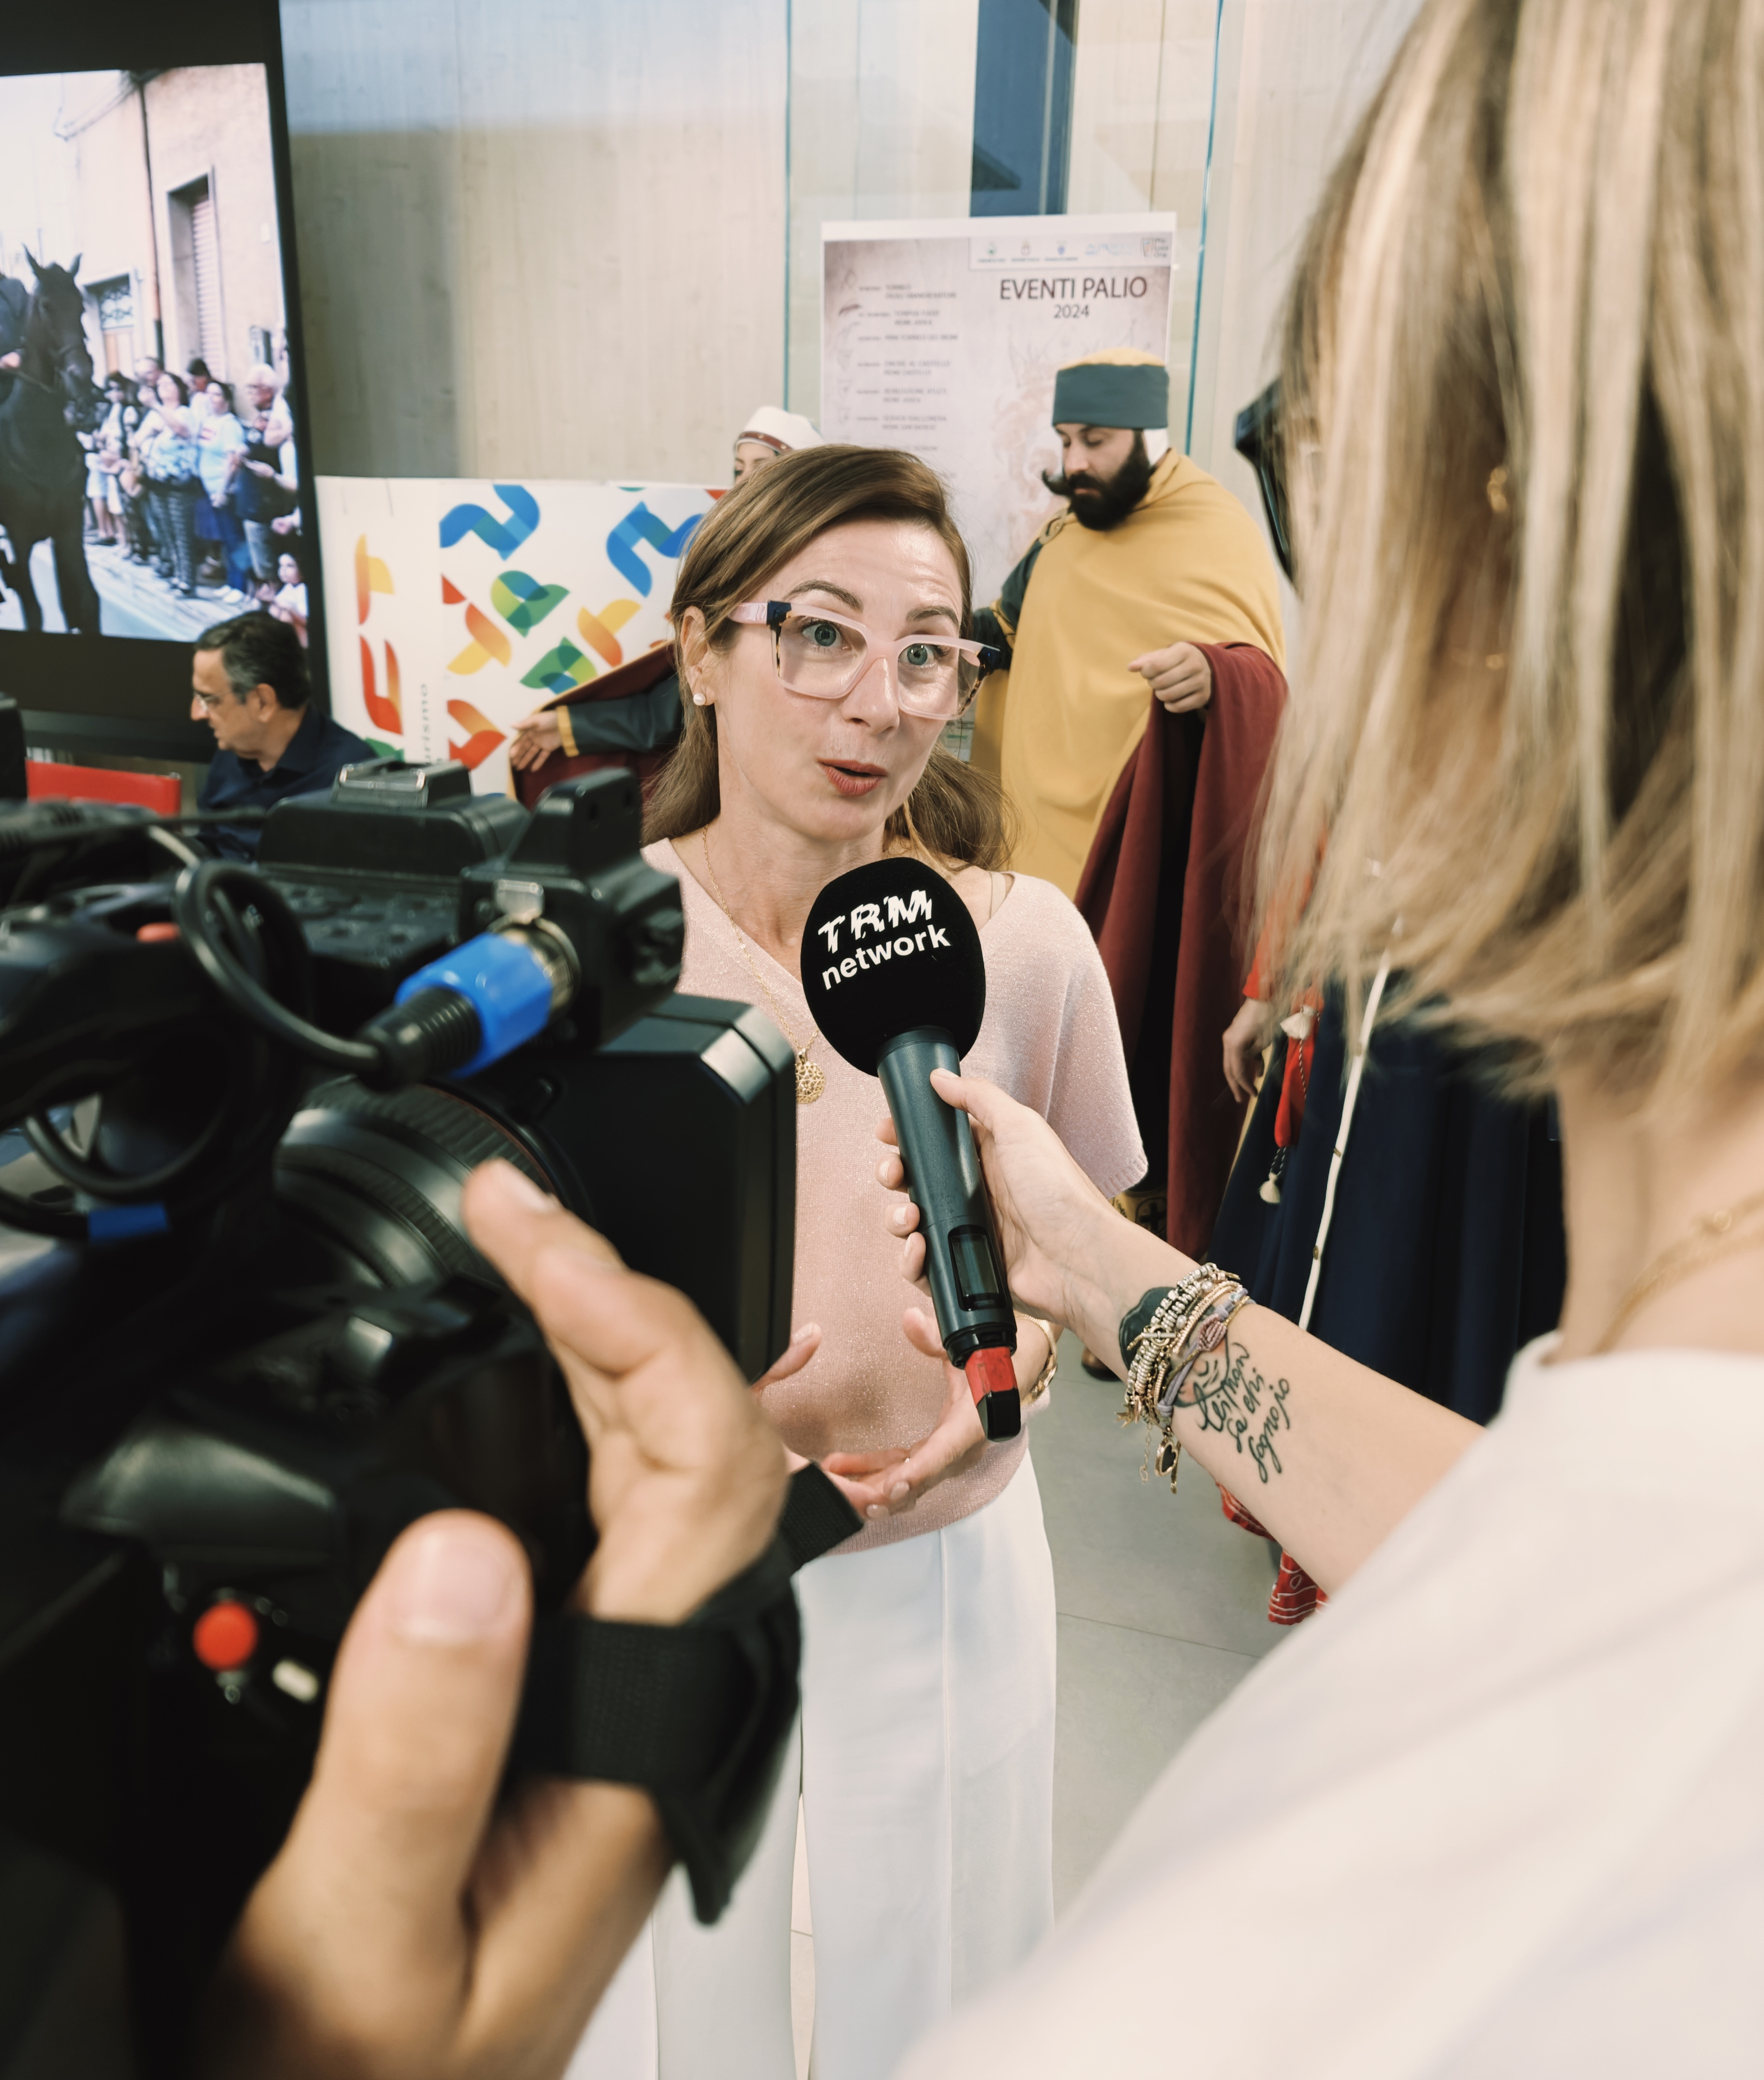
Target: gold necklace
811, 1078
1712, 1238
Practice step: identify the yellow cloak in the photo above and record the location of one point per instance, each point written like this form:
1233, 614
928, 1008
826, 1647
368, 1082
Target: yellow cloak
1187, 565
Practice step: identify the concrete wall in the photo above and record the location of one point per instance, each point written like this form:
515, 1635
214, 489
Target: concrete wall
538, 237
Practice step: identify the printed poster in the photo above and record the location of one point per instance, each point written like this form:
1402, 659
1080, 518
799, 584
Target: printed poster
454, 608
944, 336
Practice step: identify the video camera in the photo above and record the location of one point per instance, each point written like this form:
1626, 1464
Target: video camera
244, 1341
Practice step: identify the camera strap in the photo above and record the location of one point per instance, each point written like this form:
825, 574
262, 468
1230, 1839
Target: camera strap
816, 1517
698, 1714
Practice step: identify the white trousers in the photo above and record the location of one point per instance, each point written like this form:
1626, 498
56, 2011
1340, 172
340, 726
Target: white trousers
925, 1756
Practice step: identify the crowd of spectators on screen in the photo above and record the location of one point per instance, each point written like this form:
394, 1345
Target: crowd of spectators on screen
196, 482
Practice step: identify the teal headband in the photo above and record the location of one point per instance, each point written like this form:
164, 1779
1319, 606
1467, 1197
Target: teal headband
1111, 393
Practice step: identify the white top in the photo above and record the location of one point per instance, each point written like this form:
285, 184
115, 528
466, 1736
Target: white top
1498, 1811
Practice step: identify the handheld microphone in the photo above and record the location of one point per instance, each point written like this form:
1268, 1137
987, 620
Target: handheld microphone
894, 972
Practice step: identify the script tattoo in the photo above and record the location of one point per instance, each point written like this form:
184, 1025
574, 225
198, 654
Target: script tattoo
1229, 1393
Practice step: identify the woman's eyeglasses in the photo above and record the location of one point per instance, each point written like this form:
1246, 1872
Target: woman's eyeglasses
824, 655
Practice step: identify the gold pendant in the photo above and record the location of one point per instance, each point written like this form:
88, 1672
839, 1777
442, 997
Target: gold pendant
811, 1081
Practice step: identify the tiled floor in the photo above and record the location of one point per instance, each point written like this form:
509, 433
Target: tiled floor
1163, 1609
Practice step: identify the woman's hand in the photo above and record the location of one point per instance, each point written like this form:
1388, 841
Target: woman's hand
883, 1483
417, 1924
536, 737
1246, 1041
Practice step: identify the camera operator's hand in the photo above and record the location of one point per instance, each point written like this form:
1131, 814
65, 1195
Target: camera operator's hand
407, 1932
410, 1929
687, 1477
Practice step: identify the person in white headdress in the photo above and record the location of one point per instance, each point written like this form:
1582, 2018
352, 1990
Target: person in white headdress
768, 434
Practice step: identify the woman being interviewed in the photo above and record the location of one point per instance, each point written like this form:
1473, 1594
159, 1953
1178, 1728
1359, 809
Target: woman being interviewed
926, 1757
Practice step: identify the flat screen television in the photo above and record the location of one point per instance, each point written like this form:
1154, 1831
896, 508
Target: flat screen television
154, 458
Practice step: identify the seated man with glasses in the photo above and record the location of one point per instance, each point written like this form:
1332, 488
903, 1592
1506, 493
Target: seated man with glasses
250, 686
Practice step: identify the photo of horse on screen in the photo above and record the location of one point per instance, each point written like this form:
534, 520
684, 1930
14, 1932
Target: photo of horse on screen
149, 478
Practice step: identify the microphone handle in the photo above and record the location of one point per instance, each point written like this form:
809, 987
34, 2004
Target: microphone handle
963, 1263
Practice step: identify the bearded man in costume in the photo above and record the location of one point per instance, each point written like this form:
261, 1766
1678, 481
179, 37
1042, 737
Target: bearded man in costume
1131, 734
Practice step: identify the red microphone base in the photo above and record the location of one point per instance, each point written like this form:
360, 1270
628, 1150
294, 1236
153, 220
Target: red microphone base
992, 1380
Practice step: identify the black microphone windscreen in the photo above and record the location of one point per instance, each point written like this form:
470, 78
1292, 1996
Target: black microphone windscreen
888, 947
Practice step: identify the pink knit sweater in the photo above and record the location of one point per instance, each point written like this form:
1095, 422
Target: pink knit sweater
1050, 1038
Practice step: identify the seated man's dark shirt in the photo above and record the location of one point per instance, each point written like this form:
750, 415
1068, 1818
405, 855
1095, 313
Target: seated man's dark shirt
318, 751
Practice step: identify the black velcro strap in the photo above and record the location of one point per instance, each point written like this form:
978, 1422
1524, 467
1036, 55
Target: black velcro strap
698, 1714
657, 1705
817, 1517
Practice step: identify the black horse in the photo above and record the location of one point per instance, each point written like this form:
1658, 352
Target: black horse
42, 464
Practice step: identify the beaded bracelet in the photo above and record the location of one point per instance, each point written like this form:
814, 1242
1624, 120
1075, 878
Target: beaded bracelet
1185, 1324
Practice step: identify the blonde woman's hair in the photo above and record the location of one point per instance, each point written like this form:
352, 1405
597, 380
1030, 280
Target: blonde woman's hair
955, 813
1523, 373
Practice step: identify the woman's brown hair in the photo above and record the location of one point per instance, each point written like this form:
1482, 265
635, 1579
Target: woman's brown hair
954, 813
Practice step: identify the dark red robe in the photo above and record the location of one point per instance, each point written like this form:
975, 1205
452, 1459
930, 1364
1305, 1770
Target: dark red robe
1164, 890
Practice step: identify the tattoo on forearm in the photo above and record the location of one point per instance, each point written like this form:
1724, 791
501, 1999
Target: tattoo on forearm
1230, 1394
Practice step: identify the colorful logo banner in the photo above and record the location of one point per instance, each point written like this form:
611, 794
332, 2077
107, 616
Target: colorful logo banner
440, 643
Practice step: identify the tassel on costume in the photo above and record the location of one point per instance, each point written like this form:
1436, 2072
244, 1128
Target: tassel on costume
1271, 1184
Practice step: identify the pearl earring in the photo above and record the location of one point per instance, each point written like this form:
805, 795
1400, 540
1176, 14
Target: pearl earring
698, 701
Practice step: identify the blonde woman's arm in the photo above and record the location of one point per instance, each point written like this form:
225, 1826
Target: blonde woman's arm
1329, 1455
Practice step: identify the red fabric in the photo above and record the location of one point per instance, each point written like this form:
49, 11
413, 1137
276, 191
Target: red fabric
1296, 1083
1119, 891
636, 677
1296, 1079
161, 792
1295, 1596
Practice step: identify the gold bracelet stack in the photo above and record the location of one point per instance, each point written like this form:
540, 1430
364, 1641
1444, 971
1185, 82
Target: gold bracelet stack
1044, 1378
1187, 1326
